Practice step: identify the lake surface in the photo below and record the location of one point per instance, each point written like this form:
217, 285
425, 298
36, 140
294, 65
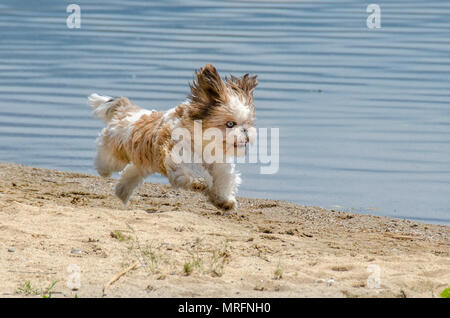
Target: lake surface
364, 114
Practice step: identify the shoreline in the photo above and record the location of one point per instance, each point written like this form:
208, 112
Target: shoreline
187, 248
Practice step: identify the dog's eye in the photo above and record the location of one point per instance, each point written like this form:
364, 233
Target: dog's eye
231, 124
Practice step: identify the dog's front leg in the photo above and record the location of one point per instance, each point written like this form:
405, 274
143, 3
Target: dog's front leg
225, 183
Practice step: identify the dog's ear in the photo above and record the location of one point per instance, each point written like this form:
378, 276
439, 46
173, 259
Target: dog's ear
208, 88
248, 83
245, 84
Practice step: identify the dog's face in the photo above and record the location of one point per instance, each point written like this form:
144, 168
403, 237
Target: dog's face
226, 106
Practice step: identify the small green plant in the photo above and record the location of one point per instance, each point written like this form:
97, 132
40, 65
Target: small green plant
119, 236
219, 258
278, 273
217, 264
188, 268
196, 260
147, 254
445, 293
198, 240
26, 289
150, 259
48, 292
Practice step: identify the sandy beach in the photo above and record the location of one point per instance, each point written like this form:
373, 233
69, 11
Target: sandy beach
53, 222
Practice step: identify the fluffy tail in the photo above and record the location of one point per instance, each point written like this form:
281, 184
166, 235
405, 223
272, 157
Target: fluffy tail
105, 106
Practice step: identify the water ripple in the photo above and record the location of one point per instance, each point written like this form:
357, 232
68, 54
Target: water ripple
363, 114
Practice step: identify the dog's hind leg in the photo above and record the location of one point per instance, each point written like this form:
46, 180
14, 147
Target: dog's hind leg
106, 164
130, 179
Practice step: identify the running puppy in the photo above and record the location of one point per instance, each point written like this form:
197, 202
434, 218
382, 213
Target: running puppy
140, 142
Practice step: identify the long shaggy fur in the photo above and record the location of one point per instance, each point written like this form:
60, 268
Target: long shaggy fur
137, 142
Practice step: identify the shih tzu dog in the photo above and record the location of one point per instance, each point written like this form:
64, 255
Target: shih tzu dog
140, 142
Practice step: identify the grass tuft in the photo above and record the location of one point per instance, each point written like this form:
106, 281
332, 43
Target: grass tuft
26, 289
188, 268
119, 236
445, 293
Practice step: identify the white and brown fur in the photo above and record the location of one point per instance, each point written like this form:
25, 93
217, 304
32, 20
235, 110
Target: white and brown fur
138, 142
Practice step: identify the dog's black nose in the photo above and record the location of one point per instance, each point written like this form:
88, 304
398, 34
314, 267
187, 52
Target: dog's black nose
245, 131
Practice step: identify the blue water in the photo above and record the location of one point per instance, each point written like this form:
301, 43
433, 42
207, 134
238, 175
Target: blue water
364, 114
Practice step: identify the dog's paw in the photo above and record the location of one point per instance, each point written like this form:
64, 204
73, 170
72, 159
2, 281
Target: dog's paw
123, 193
226, 204
181, 181
198, 185
104, 173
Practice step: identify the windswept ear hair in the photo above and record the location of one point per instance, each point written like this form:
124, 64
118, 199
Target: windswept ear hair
246, 83
208, 88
